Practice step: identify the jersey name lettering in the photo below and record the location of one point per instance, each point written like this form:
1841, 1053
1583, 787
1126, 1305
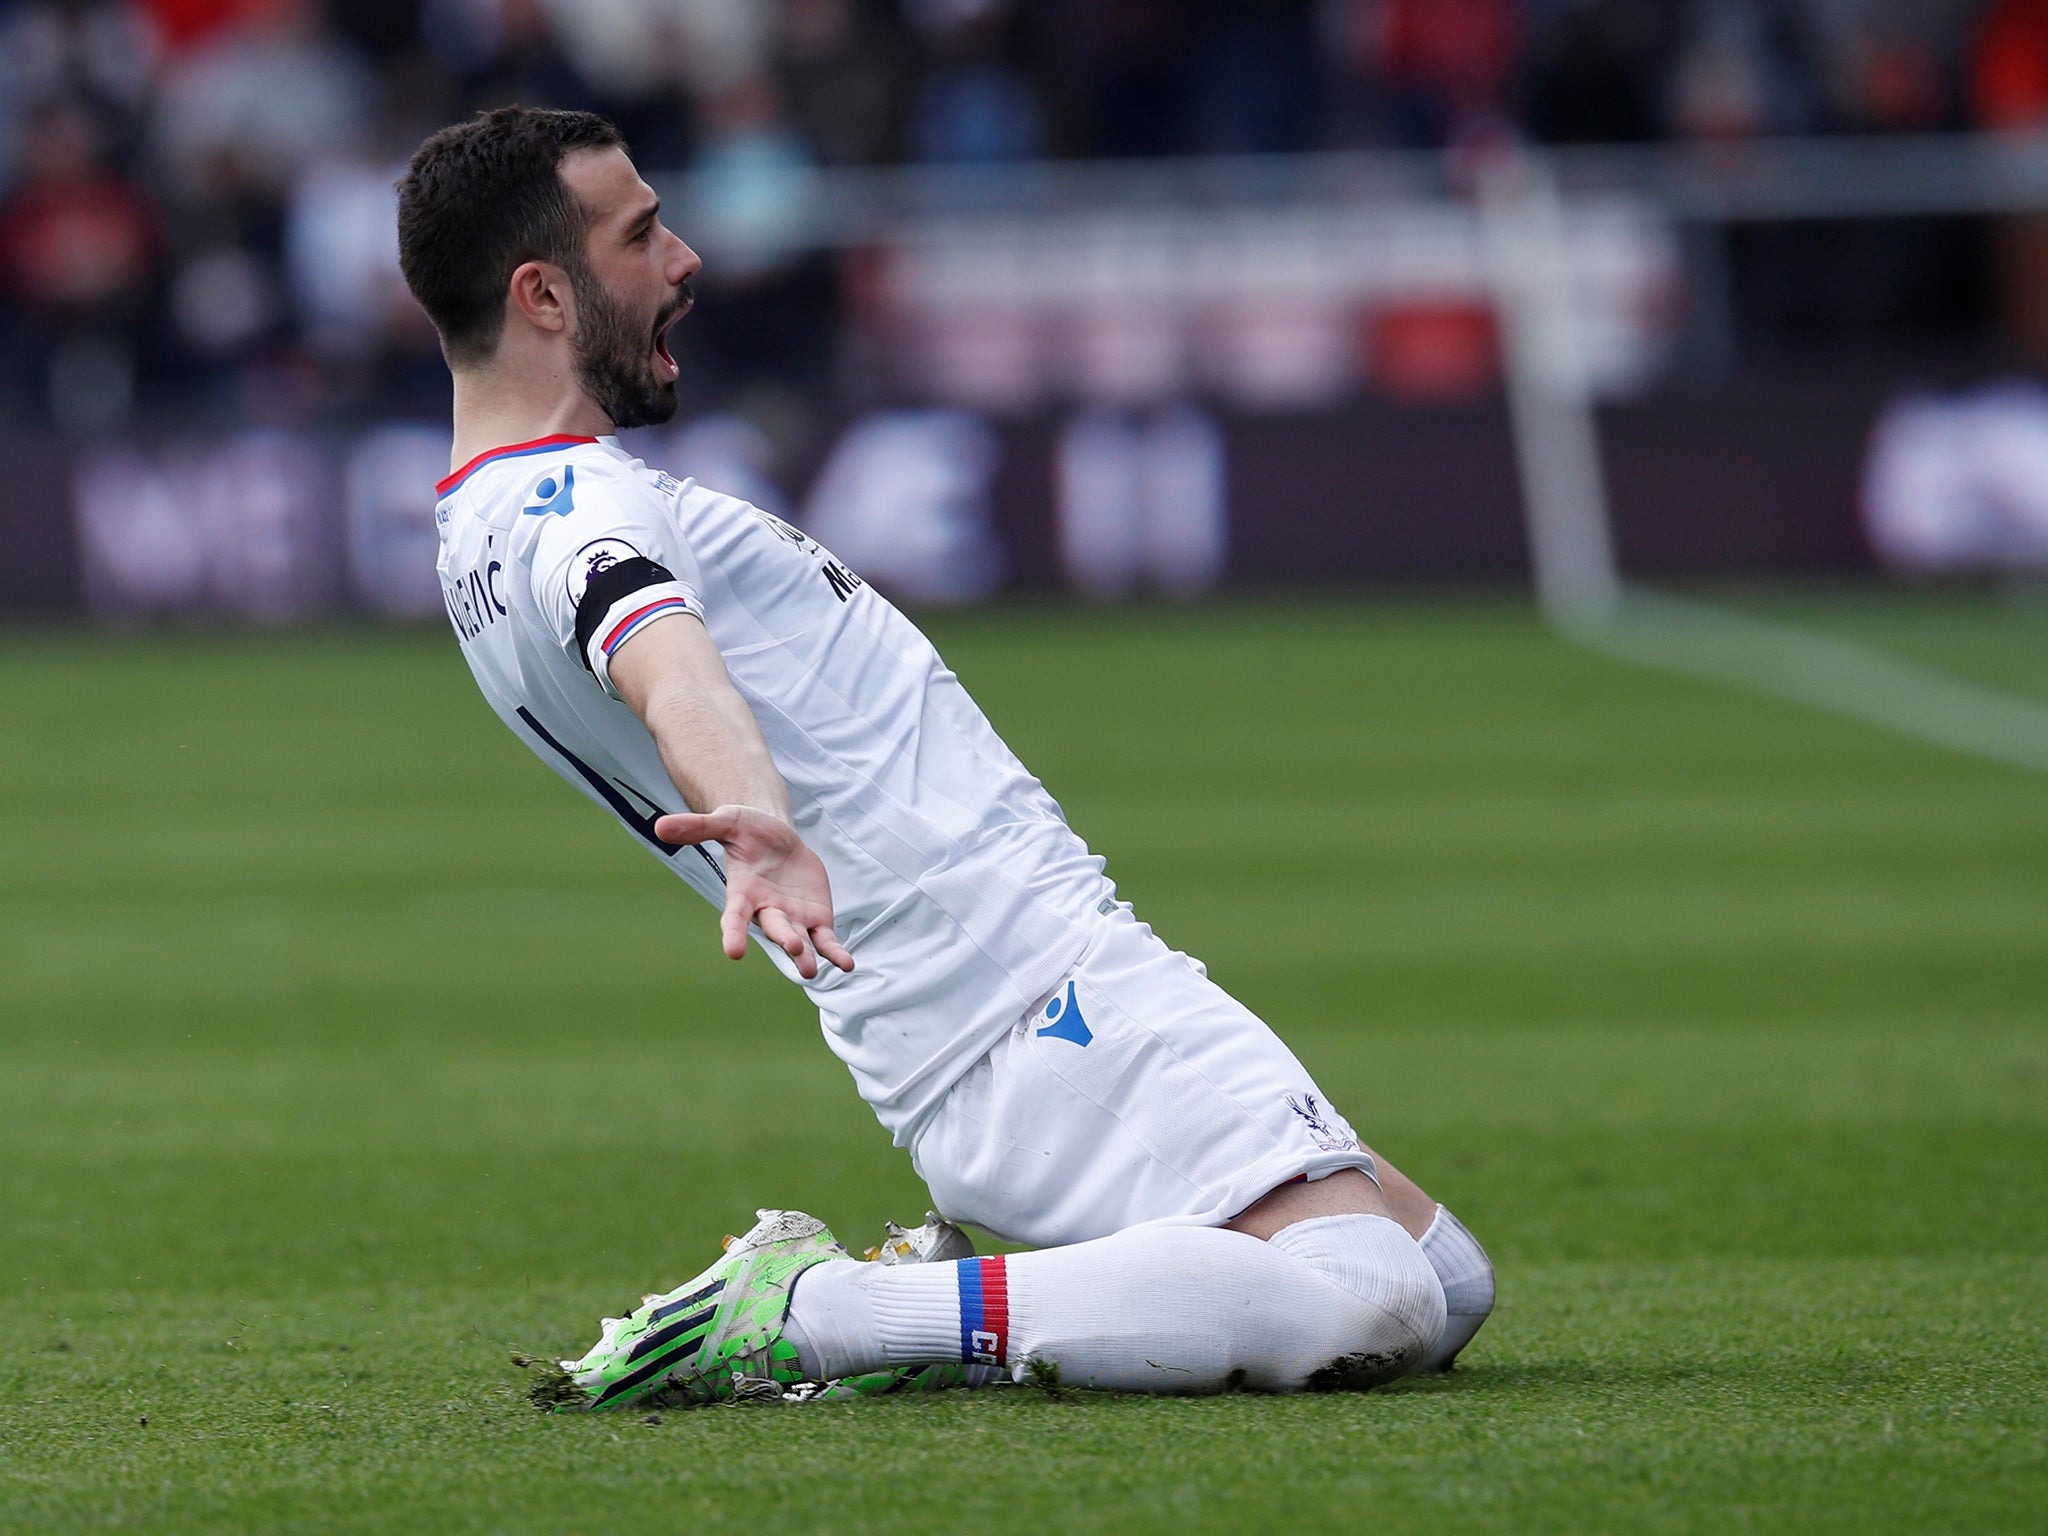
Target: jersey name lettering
842, 581
473, 601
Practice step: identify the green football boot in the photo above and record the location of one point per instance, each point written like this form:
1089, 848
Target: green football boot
713, 1339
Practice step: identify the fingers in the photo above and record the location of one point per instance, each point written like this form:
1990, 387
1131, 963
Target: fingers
726, 824
688, 827
792, 940
773, 882
785, 934
830, 947
732, 929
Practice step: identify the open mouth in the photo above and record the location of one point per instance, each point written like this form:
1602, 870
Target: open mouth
662, 356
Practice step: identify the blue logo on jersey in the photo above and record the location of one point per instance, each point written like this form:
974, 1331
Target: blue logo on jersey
555, 502
1064, 1021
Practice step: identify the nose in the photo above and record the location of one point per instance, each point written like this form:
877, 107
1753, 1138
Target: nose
683, 263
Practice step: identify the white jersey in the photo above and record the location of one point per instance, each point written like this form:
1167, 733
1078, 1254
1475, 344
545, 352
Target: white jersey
956, 882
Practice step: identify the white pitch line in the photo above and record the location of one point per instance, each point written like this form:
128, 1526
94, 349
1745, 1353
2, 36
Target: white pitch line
1836, 676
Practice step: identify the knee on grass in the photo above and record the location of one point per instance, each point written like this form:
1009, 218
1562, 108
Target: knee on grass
1466, 1274
1393, 1311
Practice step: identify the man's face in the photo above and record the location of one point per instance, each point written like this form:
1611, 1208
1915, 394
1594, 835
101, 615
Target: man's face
634, 286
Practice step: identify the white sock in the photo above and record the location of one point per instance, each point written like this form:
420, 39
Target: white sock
1467, 1276
1375, 1260
832, 1318
1339, 1301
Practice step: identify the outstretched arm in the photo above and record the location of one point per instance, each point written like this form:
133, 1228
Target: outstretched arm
672, 676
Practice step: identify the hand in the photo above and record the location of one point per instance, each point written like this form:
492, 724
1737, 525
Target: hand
772, 878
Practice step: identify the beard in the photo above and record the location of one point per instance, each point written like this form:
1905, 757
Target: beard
615, 357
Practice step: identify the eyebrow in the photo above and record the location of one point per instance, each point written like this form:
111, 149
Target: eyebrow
646, 217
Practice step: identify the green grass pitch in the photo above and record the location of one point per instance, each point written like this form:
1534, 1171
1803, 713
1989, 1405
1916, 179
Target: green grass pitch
343, 1049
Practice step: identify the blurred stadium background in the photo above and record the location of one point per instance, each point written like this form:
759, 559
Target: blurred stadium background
1119, 296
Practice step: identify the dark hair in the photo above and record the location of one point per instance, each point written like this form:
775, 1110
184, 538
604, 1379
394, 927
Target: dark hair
479, 199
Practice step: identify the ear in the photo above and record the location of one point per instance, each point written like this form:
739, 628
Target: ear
540, 294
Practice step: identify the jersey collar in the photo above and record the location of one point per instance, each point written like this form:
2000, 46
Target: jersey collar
510, 451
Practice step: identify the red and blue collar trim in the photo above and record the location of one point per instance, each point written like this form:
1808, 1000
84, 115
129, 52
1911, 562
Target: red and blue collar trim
510, 451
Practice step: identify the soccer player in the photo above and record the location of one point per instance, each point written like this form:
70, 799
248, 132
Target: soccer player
793, 748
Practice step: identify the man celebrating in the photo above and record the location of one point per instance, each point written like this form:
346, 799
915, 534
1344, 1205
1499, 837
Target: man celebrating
792, 747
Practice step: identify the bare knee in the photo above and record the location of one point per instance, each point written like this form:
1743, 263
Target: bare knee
1347, 1192
1406, 1202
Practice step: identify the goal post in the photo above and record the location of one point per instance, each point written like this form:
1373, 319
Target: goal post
1550, 398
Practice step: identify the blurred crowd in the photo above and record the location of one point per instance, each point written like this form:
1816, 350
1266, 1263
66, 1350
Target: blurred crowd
195, 194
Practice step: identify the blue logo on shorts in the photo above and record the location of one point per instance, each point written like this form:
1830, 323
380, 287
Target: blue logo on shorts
1064, 1021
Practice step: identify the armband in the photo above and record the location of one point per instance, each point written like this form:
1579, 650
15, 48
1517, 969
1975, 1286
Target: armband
606, 590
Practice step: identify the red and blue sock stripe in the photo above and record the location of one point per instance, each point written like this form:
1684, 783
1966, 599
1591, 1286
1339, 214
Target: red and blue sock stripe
984, 1310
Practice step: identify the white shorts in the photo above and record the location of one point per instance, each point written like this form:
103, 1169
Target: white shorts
1139, 1091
